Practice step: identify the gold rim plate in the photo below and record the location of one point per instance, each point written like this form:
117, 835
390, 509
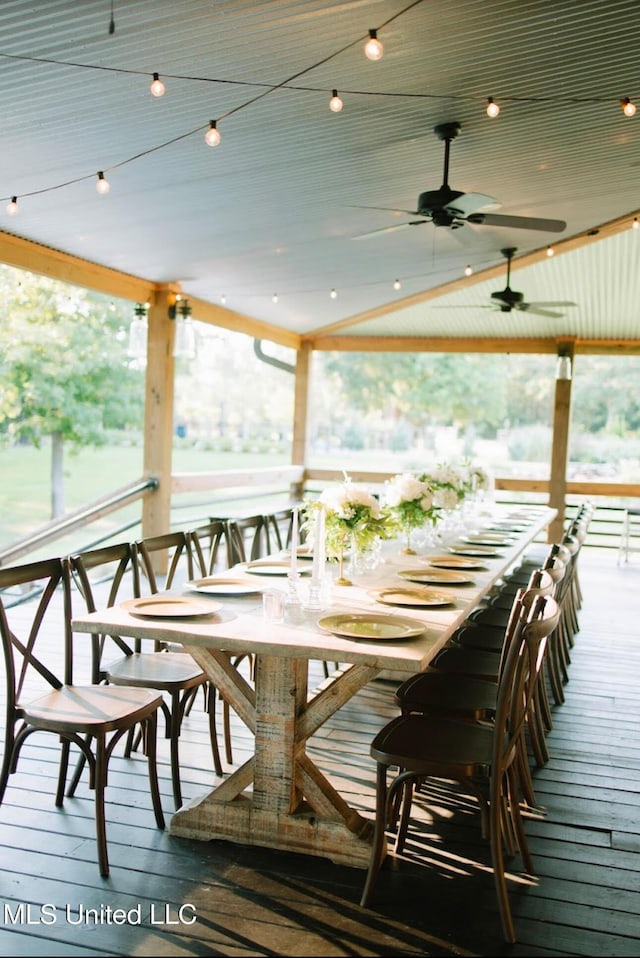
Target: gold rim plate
169, 606
263, 567
453, 562
218, 585
371, 626
436, 577
473, 552
428, 598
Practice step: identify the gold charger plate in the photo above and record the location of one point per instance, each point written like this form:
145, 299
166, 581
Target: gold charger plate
371, 626
168, 606
474, 552
453, 562
437, 576
427, 598
273, 567
221, 585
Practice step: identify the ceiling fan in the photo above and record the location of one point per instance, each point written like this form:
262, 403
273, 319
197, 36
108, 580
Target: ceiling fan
507, 299
453, 208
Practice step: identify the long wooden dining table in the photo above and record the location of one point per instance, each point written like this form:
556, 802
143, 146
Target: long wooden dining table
280, 798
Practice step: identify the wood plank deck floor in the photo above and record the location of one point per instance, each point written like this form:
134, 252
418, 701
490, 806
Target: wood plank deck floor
438, 900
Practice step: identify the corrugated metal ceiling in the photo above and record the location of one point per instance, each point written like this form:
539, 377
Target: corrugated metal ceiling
276, 207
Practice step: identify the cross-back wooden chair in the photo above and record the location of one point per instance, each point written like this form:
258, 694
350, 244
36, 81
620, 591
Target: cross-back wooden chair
129, 569
41, 695
482, 757
211, 546
280, 527
249, 538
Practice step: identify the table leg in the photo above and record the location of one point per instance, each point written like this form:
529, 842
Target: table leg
280, 798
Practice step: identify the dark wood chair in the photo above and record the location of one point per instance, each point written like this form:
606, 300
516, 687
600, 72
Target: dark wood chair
249, 539
128, 569
41, 695
482, 757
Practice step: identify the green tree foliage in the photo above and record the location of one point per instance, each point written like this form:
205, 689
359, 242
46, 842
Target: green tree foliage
64, 373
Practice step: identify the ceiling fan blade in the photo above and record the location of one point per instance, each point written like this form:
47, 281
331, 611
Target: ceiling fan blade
389, 229
533, 308
468, 203
386, 209
555, 303
517, 222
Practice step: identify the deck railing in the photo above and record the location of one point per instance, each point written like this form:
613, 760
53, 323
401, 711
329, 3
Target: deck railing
243, 492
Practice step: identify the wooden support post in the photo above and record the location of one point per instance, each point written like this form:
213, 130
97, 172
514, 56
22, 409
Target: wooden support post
158, 421
560, 447
301, 412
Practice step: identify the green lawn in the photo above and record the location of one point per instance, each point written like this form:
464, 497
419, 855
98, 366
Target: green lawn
25, 492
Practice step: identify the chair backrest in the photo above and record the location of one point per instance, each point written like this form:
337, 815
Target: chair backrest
249, 538
174, 551
210, 545
536, 619
279, 525
101, 578
36, 634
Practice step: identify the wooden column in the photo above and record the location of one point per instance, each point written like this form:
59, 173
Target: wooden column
158, 417
560, 449
301, 408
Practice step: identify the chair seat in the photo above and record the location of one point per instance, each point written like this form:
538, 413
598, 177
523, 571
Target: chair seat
476, 662
446, 692
428, 745
89, 708
167, 671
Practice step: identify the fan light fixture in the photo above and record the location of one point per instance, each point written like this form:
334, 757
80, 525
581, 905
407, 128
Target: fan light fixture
102, 186
157, 86
373, 49
184, 346
563, 366
492, 107
212, 136
628, 108
335, 103
12, 206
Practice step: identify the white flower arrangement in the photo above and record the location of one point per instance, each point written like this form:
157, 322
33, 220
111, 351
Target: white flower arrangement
409, 499
353, 517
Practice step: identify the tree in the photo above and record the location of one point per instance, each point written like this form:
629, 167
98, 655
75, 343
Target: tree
64, 373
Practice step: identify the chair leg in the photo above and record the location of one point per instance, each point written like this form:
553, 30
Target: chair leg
174, 738
379, 835
210, 702
499, 877
151, 737
62, 771
100, 784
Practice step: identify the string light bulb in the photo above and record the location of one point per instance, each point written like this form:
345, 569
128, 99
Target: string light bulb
492, 107
157, 86
102, 186
12, 206
335, 103
373, 49
397, 284
223, 299
550, 251
333, 294
274, 298
212, 136
468, 270
628, 108
635, 225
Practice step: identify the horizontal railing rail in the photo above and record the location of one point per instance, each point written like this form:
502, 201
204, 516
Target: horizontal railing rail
242, 492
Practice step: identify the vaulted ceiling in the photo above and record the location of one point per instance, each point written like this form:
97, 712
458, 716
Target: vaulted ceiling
283, 207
